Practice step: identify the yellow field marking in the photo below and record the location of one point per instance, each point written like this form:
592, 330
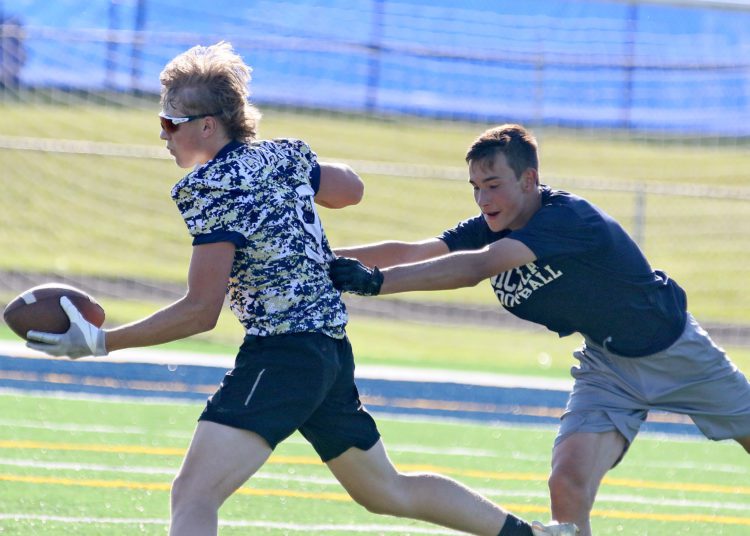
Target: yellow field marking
166, 486
154, 486
108, 382
620, 482
119, 449
450, 405
343, 497
685, 518
675, 486
310, 460
513, 409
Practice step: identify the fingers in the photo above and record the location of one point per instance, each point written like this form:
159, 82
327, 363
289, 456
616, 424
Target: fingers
343, 267
345, 263
342, 273
74, 315
343, 280
49, 349
43, 337
49, 343
350, 275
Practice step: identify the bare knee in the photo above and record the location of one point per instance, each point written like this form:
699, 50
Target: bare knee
570, 489
385, 498
180, 492
188, 495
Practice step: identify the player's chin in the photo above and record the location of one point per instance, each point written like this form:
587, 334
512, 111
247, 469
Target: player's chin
182, 162
494, 223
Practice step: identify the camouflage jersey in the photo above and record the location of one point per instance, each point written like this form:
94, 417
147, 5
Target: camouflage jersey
259, 196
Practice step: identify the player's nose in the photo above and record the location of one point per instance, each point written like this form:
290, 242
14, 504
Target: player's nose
482, 198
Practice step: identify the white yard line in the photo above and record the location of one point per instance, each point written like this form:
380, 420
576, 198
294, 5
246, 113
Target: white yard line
294, 527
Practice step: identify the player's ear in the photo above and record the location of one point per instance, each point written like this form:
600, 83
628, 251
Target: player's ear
209, 126
529, 179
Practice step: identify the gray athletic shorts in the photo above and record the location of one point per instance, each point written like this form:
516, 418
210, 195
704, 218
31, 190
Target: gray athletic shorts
693, 377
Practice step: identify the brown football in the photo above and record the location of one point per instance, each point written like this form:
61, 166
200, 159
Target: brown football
39, 309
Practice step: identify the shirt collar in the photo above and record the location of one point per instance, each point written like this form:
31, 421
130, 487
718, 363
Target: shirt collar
228, 148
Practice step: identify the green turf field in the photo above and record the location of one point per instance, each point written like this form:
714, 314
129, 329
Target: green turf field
104, 467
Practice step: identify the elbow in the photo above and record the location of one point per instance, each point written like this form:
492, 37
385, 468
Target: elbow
340, 186
476, 272
207, 322
210, 316
359, 190
471, 281
355, 190
203, 315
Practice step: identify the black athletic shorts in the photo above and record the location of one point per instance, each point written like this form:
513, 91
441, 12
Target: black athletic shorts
299, 381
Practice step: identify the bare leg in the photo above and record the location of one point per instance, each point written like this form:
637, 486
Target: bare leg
220, 459
579, 463
745, 442
372, 480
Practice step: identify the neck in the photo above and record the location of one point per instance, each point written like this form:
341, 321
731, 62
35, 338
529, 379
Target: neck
531, 206
215, 146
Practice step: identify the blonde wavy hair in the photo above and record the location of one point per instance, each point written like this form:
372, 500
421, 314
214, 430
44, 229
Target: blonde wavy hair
212, 80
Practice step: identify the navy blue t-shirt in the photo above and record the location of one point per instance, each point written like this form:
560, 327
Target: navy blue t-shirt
590, 277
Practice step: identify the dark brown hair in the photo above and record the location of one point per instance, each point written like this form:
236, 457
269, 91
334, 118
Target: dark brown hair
515, 142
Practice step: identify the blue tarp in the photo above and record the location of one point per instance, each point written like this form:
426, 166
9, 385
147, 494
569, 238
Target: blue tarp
644, 66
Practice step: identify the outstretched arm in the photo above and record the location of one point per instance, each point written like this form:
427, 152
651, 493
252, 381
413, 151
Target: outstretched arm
196, 312
460, 269
339, 187
392, 253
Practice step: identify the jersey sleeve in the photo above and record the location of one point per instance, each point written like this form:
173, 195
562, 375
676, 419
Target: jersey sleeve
315, 177
470, 234
217, 210
230, 198
300, 160
558, 230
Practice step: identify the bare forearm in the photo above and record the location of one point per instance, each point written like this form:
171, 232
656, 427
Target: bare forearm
456, 270
393, 252
443, 272
177, 321
382, 254
448, 272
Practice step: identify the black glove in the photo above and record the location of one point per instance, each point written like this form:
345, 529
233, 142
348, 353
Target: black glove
350, 275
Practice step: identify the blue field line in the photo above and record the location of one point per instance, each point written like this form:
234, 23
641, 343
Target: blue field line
413, 397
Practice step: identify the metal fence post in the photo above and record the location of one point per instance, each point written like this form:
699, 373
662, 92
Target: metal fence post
639, 216
376, 49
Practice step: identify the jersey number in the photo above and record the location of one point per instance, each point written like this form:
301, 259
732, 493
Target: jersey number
311, 223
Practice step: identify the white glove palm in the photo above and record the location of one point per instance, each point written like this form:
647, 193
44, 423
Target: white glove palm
82, 338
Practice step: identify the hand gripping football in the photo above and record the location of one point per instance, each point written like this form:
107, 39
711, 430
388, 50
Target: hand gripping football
39, 309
